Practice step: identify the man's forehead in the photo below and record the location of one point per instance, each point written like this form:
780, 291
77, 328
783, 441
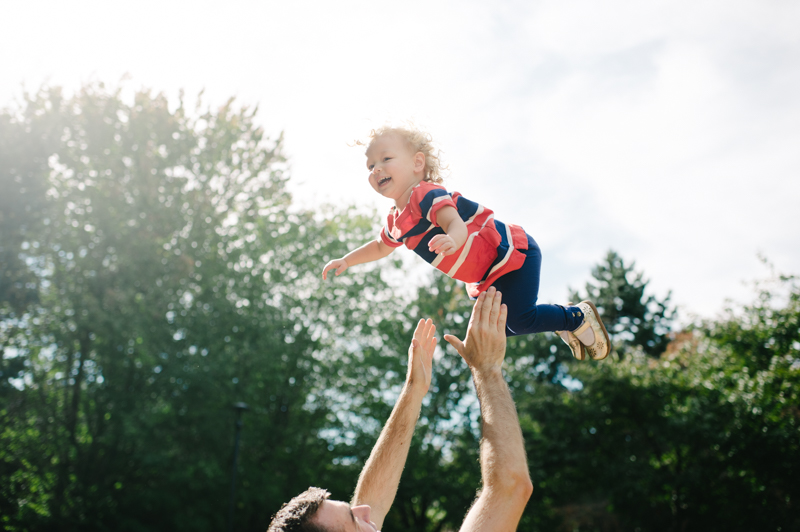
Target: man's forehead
333, 513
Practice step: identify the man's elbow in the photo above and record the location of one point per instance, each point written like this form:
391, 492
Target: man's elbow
527, 488
523, 487
514, 484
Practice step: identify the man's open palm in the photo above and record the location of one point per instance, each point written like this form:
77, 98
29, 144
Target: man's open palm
420, 353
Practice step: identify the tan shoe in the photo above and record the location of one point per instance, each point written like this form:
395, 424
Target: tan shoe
575, 345
591, 318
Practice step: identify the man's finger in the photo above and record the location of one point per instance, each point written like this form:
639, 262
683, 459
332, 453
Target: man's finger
413, 353
431, 347
501, 322
486, 307
431, 330
413, 348
494, 313
455, 342
478, 307
420, 325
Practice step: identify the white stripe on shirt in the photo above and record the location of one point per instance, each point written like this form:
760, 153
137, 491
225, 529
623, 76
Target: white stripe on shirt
435, 201
463, 256
508, 253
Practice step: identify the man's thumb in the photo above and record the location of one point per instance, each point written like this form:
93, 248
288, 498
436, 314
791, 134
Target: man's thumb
455, 342
413, 347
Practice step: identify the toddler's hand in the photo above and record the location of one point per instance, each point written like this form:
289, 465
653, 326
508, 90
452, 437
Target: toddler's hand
442, 245
339, 265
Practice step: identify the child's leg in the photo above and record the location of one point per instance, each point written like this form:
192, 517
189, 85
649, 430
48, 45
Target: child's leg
520, 290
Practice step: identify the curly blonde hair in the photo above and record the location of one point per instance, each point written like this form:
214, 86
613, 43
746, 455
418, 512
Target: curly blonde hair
418, 141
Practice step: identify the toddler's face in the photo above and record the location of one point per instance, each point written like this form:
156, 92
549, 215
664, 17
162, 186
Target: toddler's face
393, 169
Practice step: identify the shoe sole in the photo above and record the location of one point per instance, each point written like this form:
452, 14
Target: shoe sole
603, 327
581, 355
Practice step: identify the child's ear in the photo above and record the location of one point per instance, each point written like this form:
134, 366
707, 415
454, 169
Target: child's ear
419, 161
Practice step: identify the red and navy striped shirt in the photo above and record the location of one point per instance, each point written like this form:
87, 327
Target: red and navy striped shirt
492, 247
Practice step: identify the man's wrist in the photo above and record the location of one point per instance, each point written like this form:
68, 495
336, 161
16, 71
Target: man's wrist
487, 371
415, 388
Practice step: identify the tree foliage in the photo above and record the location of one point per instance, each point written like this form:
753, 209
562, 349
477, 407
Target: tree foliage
171, 278
703, 438
155, 271
632, 317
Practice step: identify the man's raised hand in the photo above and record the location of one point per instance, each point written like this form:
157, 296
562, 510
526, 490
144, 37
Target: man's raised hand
484, 347
420, 355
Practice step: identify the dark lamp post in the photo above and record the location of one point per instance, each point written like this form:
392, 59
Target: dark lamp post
239, 407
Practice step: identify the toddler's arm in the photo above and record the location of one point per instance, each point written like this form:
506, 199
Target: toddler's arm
456, 232
369, 252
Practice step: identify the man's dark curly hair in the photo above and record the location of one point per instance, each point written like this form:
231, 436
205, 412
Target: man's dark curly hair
296, 515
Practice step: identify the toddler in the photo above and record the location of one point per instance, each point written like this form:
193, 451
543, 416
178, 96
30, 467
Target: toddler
464, 240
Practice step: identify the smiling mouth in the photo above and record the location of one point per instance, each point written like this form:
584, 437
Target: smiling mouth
384, 181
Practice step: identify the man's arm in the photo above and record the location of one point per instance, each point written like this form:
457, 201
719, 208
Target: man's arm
371, 251
377, 484
504, 467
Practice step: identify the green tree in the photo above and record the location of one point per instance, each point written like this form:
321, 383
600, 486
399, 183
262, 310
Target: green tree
155, 271
170, 278
632, 317
23, 205
703, 438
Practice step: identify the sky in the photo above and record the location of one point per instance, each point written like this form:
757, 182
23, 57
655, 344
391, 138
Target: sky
661, 130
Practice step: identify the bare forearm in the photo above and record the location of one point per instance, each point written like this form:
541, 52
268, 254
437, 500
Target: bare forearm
371, 251
503, 460
380, 477
504, 469
449, 220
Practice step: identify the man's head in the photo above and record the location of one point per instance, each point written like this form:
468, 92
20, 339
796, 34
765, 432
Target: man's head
297, 514
311, 511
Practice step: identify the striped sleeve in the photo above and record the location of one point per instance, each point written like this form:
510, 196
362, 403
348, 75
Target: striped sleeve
429, 199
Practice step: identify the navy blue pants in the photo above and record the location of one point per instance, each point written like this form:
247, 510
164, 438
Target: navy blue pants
520, 290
